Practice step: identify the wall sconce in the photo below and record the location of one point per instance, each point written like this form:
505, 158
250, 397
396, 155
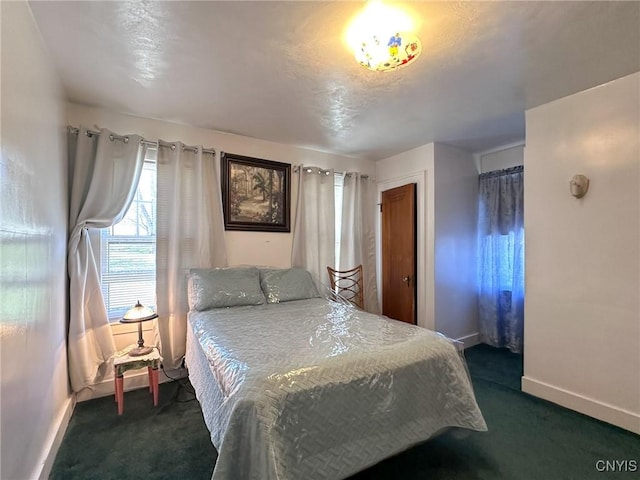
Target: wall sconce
579, 185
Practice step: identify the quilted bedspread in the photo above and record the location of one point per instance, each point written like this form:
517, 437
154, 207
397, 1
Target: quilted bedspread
314, 389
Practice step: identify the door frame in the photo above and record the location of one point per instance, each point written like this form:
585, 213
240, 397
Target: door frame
425, 305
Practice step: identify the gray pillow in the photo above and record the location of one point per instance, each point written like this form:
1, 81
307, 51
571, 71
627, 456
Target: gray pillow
224, 287
284, 285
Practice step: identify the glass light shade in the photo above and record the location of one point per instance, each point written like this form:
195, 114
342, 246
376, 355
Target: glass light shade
381, 38
388, 53
139, 313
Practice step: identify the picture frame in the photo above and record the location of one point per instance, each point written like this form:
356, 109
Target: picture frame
255, 194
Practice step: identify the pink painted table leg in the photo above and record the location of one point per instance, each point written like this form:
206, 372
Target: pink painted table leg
120, 394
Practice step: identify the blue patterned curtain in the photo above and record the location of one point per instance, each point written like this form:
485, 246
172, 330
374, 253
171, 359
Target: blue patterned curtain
501, 258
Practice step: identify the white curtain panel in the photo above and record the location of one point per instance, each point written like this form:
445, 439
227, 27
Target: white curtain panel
358, 241
314, 240
106, 170
189, 234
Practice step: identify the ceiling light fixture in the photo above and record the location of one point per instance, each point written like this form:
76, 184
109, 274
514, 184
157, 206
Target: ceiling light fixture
382, 37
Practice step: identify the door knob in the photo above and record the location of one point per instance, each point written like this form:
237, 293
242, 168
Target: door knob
407, 280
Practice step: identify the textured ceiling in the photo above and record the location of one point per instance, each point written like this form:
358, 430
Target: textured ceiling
279, 71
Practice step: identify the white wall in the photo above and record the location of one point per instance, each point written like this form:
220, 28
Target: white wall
447, 186
455, 257
255, 248
505, 157
414, 166
243, 248
582, 313
35, 398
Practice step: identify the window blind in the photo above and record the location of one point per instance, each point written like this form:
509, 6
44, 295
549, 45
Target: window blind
128, 250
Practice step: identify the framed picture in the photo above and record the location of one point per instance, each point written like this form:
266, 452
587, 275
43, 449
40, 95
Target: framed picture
255, 194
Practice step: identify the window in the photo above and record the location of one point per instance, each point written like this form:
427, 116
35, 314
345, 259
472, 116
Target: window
128, 250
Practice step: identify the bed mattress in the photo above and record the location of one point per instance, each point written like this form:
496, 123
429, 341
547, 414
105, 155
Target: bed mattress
314, 389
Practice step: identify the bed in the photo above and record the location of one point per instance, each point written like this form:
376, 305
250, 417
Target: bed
294, 385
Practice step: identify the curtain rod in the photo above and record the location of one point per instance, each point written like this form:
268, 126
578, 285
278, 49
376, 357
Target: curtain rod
502, 173
296, 169
144, 141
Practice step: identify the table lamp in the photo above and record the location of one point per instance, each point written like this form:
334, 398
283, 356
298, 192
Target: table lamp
139, 314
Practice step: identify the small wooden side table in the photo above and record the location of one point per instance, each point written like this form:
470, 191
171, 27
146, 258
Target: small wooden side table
123, 362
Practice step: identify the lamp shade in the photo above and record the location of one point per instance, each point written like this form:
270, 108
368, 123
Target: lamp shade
382, 39
139, 313
384, 53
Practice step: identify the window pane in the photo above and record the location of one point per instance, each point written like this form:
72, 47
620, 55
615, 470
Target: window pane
128, 251
126, 226
146, 219
123, 293
130, 257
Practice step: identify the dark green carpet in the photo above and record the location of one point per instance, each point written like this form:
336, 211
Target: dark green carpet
167, 442
528, 438
497, 365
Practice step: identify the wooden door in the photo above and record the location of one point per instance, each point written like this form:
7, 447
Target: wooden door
399, 253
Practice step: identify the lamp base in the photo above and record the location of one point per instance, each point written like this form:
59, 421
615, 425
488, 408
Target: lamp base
140, 351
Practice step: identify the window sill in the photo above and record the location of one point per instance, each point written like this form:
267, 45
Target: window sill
118, 328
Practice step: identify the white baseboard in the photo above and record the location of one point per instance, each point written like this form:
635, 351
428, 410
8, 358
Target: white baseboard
470, 340
54, 439
60, 424
588, 406
132, 381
